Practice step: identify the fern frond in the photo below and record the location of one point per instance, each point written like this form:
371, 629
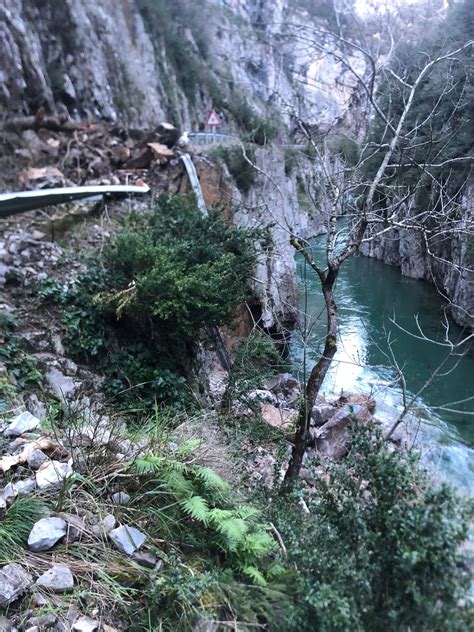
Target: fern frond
179, 466
246, 511
210, 479
149, 465
196, 507
276, 570
218, 515
258, 543
255, 575
233, 529
188, 447
178, 484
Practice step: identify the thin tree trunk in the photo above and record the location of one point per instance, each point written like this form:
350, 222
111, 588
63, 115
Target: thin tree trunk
316, 378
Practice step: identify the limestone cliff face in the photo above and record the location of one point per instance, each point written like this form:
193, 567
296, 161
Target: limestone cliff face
449, 264
86, 58
101, 59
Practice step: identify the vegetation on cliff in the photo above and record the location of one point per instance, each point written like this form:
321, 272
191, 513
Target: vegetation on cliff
135, 313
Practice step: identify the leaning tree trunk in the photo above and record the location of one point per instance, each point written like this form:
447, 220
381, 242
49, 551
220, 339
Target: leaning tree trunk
316, 378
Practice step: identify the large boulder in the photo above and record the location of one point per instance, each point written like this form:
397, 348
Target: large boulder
168, 134
278, 417
332, 439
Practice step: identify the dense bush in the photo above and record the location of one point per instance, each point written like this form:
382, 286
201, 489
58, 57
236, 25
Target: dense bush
379, 549
176, 271
162, 277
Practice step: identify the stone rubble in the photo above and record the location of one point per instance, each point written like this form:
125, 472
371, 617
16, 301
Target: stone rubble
57, 579
46, 533
14, 581
127, 539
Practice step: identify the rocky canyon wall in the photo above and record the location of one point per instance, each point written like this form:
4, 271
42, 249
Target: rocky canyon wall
448, 262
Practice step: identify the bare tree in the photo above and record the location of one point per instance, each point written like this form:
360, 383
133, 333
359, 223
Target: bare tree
376, 204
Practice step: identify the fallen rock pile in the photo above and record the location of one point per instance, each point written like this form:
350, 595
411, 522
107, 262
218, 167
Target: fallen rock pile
41, 152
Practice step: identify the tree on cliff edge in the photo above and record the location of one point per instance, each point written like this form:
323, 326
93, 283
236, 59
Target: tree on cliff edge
408, 175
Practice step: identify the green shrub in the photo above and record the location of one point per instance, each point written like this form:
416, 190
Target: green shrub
257, 130
178, 270
242, 172
136, 312
379, 549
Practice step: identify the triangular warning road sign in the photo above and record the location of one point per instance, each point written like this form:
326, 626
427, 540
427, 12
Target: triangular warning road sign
213, 119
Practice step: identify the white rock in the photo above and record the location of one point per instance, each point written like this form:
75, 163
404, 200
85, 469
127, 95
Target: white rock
24, 422
14, 581
85, 624
46, 533
25, 486
120, 498
58, 578
10, 492
53, 474
61, 384
105, 525
127, 539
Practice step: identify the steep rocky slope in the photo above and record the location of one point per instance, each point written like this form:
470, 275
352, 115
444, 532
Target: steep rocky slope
138, 62
111, 60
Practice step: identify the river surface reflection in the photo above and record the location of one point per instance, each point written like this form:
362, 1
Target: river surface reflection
370, 294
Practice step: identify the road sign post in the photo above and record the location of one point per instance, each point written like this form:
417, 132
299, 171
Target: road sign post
213, 121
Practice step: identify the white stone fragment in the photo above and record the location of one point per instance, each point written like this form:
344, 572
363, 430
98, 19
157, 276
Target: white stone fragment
24, 422
120, 498
36, 458
14, 581
127, 539
53, 474
25, 486
85, 624
58, 579
46, 533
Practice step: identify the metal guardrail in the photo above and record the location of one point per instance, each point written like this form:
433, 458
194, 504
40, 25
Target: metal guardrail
209, 138
22, 201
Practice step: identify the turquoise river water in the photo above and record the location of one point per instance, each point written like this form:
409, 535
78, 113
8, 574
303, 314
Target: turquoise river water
369, 294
